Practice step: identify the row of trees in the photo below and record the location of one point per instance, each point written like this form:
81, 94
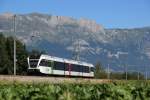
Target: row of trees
102, 74
7, 52
6, 55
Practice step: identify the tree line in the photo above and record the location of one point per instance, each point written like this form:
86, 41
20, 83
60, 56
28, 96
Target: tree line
7, 54
100, 73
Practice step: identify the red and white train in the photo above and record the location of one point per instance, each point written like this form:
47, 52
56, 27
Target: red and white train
51, 65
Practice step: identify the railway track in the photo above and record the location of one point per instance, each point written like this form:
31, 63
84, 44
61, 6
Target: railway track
55, 80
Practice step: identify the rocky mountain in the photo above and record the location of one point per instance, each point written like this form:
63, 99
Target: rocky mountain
65, 36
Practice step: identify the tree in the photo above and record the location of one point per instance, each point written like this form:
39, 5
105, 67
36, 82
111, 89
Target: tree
5, 62
35, 54
21, 58
6, 55
9, 49
99, 71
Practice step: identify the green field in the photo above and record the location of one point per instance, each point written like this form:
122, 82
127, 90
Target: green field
120, 90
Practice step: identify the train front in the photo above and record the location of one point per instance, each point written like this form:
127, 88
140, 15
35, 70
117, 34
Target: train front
33, 62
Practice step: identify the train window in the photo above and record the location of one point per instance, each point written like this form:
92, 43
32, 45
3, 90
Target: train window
92, 69
74, 68
77, 68
33, 63
85, 69
49, 63
81, 68
67, 67
59, 65
45, 63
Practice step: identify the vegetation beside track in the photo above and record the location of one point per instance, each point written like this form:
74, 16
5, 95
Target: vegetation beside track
117, 90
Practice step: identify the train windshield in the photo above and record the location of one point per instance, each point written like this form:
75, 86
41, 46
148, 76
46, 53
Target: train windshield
32, 63
92, 69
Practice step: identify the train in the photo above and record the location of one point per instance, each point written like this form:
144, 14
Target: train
51, 65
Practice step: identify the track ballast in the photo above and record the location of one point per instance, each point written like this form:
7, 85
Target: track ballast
46, 79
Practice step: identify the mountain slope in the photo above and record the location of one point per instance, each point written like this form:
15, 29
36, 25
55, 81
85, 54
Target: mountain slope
60, 36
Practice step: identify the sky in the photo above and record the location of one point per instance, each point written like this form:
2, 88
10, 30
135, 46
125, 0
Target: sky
108, 13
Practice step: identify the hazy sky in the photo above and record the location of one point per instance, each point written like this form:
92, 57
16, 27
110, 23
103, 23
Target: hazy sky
109, 13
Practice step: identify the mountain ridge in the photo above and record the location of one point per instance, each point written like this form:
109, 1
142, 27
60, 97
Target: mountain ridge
60, 35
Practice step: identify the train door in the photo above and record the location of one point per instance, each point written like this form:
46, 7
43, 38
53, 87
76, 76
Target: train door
68, 69
82, 70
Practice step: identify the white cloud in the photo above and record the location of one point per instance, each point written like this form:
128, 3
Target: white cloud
117, 55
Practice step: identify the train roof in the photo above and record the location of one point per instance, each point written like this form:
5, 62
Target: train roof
65, 60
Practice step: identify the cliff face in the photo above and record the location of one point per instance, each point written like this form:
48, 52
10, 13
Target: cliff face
60, 35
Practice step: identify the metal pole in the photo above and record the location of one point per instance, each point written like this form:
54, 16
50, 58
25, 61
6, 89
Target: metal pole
126, 72
146, 75
145, 72
78, 55
108, 72
138, 75
14, 45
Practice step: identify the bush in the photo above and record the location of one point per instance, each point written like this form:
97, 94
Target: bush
128, 90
